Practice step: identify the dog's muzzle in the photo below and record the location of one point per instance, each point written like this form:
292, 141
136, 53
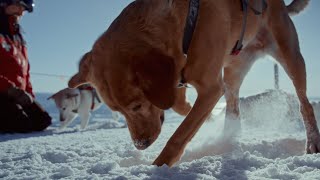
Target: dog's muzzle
142, 144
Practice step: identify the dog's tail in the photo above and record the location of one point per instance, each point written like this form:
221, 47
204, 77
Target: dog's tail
296, 6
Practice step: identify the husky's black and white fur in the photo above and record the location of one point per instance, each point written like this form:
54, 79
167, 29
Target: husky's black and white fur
77, 102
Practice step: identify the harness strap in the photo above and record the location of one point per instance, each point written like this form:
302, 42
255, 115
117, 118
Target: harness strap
94, 96
244, 5
190, 26
238, 47
85, 87
92, 103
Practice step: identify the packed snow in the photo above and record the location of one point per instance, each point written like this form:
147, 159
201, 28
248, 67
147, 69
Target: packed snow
270, 146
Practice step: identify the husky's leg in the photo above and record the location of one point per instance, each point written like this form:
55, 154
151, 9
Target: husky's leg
84, 120
66, 122
115, 115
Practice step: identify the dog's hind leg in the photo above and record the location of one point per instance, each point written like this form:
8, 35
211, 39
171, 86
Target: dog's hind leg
234, 74
286, 50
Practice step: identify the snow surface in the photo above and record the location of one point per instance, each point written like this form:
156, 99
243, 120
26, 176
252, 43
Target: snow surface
270, 146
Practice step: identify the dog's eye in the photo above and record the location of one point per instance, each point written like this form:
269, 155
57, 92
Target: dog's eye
64, 109
137, 107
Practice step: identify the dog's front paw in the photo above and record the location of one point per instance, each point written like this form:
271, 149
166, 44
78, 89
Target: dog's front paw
62, 127
169, 156
313, 144
164, 159
82, 128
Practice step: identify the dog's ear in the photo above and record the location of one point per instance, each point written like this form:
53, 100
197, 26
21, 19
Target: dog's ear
52, 96
155, 75
82, 76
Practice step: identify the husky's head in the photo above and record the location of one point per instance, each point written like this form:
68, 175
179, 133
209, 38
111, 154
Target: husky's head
67, 101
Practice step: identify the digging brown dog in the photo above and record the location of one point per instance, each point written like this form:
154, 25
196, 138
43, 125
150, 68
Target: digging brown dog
138, 62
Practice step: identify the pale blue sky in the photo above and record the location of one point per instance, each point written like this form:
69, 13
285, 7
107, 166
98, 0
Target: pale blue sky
59, 32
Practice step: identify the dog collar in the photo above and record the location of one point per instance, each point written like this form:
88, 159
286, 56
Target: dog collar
190, 26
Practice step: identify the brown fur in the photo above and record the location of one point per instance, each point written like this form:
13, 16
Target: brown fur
137, 63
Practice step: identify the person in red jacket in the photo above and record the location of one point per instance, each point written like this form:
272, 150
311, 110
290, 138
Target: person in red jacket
19, 112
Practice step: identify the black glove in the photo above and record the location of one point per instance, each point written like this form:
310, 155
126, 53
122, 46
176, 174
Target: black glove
20, 96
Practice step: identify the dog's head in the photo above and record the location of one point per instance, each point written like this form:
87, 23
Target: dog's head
67, 101
140, 86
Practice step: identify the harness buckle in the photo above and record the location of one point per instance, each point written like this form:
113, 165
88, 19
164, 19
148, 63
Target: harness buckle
182, 85
236, 49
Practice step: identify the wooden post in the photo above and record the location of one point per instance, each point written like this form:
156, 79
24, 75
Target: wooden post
276, 76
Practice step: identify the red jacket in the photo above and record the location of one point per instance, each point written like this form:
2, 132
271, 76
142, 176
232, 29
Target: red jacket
14, 65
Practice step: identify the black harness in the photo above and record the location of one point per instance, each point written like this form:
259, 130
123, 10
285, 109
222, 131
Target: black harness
262, 5
191, 22
192, 17
189, 28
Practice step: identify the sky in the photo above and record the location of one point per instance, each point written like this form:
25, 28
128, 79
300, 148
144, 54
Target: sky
59, 32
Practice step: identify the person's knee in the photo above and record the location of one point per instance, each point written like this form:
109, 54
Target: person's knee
45, 121
39, 117
41, 120
15, 120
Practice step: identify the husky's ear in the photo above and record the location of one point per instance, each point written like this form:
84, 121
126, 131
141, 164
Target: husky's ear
82, 76
155, 75
59, 93
52, 96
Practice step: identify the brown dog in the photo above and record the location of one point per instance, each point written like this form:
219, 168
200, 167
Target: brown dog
137, 63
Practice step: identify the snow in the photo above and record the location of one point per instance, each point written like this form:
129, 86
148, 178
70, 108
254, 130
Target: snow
269, 146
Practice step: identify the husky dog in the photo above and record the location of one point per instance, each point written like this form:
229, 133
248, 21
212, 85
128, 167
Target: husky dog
80, 101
